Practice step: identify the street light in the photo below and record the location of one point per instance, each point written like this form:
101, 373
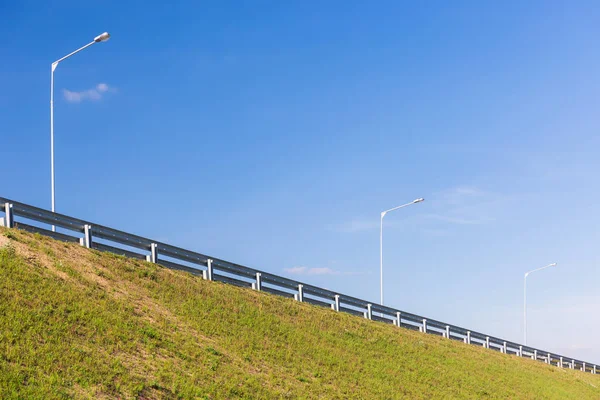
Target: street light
100, 38
525, 299
381, 241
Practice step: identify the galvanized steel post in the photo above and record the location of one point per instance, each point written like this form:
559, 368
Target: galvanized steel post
86, 240
487, 342
398, 321
369, 313
258, 284
208, 274
88, 236
153, 253
336, 304
447, 331
424, 325
300, 295
468, 337
9, 218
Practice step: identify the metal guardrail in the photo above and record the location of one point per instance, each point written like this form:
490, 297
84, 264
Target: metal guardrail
215, 269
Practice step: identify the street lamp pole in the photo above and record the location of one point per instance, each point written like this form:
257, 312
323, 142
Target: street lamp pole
381, 242
525, 299
100, 38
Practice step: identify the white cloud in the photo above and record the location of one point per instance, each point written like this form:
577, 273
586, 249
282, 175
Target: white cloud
357, 225
567, 325
310, 271
322, 271
435, 232
93, 94
461, 195
296, 270
459, 205
575, 335
317, 271
102, 87
460, 220
465, 205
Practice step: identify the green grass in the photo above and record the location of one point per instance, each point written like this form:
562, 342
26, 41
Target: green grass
76, 323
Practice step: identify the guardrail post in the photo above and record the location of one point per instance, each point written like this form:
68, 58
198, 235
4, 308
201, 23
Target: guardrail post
86, 240
549, 359
208, 274
8, 215
300, 295
447, 331
468, 338
504, 348
369, 313
583, 367
424, 325
560, 362
535, 355
336, 303
572, 364
520, 351
258, 284
594, 370
153, 257
398, 321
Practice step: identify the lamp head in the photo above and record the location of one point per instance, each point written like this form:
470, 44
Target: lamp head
102, 37
420, 199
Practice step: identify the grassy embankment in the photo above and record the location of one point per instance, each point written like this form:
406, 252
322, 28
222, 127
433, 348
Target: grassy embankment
76, 323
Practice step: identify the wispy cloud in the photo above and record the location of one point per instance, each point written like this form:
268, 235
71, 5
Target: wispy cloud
356, 225
317, 271
572, 311
93, 94
435, 232
460, 220
459, 205
461, 195
310, 271
464, 205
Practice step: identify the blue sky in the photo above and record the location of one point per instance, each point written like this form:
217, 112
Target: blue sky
274, 133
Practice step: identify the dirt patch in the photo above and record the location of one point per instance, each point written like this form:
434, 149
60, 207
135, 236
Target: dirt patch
4, 241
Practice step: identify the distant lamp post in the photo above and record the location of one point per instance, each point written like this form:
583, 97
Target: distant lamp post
381, 241
525, 299
100, 38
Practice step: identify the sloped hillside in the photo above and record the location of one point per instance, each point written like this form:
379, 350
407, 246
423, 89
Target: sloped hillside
76, 323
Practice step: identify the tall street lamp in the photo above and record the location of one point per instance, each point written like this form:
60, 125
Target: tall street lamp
100, 38
381, 241
525, 299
